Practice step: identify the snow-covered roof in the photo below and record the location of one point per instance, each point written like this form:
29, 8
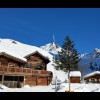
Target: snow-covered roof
45, 57
91, 74
12, 54
75, 73
21, 49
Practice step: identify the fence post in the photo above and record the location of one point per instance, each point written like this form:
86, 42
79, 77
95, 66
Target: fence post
2, 79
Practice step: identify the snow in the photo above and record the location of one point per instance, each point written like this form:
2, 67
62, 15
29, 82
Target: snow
76, 87
75, 73
97, 50
50, 48
62, 76
84, 64
12, 54
26, 86
87, 58
20, 50
91, 74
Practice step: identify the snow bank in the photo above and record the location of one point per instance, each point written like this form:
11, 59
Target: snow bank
26, 86
76, 87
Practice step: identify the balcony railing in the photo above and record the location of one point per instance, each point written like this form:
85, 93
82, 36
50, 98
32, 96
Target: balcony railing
25, 71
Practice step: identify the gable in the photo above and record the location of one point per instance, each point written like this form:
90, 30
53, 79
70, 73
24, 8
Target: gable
93, 74
11, 57
37, 55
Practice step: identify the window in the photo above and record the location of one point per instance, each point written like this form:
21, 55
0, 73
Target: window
11, 65
38, 66
28, 65
39, 57
35, 60
31, 57
89, 80
96, 80
93, 80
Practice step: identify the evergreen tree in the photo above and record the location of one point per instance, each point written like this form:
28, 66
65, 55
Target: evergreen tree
67, 59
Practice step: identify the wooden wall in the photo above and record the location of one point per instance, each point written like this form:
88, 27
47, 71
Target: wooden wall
0, 78
4, 61
37, 80
34, 59
13, 81
40, 79
95, 79
75, 79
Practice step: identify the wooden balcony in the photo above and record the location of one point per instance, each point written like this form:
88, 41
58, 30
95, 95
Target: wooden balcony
20, 71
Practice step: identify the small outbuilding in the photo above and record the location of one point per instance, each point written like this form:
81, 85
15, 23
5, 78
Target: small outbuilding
93, 77
75, 77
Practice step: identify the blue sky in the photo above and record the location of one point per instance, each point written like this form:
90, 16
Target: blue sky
36, 26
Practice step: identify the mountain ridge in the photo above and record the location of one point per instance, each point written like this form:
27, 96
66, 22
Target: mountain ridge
86, 59
52, 48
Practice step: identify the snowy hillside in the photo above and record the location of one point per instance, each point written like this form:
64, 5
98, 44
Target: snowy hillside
90, 59
20, 50
50, 48
95, 54
87, 59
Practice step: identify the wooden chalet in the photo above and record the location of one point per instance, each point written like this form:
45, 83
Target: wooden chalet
16, 71
75, 76
93, 77
37, 61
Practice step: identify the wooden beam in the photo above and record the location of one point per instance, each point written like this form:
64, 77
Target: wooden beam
24, 81
47, 80
2, 79
13, 81
36, 80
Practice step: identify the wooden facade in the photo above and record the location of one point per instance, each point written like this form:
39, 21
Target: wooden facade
93, 78
14, 72
75, 76
36, 59
75, 79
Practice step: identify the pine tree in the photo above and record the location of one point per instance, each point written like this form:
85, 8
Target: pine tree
67, 59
